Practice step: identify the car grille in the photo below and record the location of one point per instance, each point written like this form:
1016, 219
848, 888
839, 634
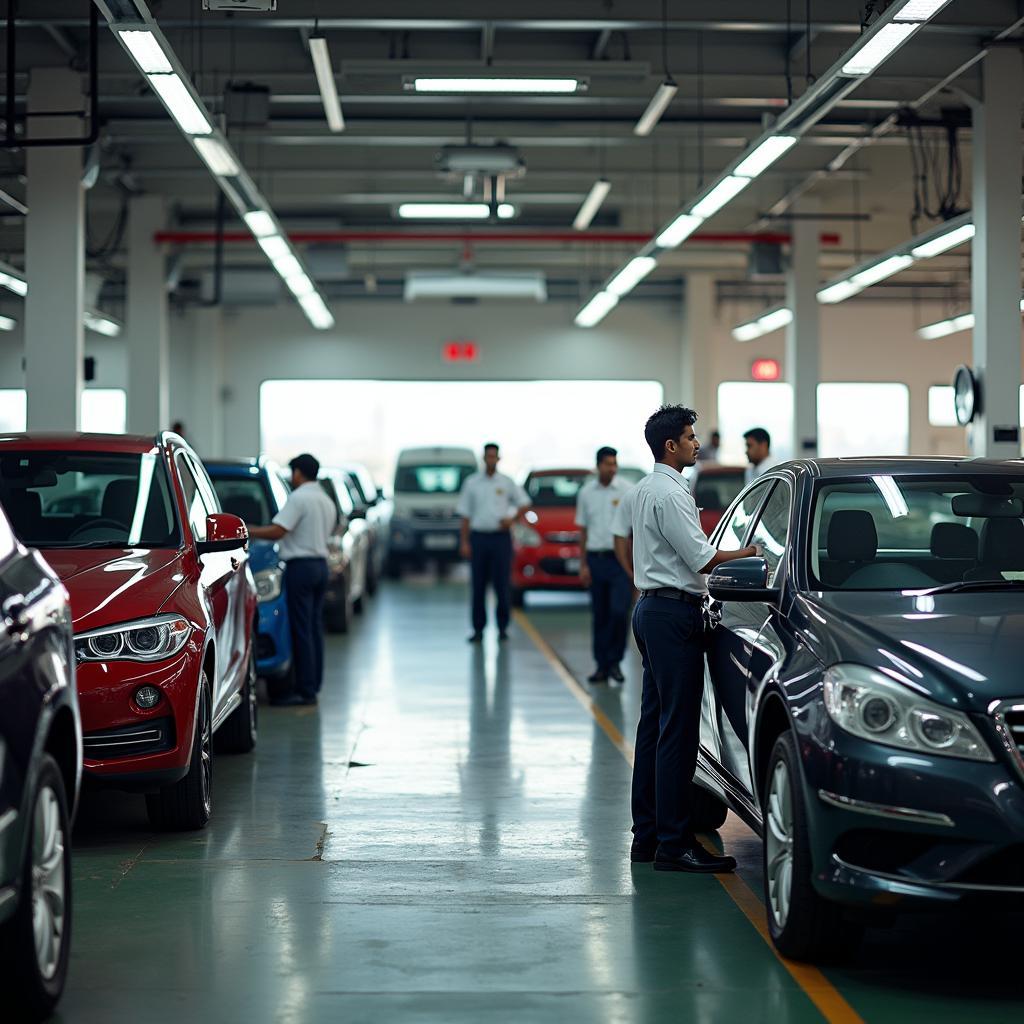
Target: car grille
563, 537
130, 741
433, 514
556, 567
1009, 719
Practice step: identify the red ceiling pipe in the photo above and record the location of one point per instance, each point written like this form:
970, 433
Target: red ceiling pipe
477, 237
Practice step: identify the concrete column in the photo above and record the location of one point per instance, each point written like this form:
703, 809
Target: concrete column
54, 256
802, 335
146, 320
206, 430
995, 283
695, 388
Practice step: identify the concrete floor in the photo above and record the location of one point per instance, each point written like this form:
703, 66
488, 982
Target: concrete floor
445, 838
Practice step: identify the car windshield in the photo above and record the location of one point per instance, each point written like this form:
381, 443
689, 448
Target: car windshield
59, 499
555, 490
909, 533
431, 479
244, 496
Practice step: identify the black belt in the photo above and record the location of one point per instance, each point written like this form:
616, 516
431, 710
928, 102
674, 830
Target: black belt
606, 553
676, 595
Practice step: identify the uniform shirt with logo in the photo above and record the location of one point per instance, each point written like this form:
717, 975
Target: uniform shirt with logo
596, 506
486, 500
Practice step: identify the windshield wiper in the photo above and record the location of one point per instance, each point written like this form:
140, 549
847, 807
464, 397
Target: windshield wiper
967, 585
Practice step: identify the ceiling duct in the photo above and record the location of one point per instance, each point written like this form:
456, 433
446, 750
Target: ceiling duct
451, 284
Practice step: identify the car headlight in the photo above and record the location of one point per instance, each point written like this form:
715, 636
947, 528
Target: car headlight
268, 583
525, 536
144, 640
867, 704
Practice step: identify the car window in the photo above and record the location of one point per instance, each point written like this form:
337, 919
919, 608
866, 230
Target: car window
735, 531
555, 490
195, 507
206, 488
6, 539
245, 497
431, 479
772, 530
278, 488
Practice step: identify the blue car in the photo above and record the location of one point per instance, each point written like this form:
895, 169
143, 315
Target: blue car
252, 490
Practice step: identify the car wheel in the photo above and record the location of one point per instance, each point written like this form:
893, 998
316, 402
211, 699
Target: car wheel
709, 813
239, 733
338, 613
186, 805
518, 597
803, 926
36, 941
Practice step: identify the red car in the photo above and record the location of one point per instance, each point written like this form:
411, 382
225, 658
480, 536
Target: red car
546, 553
714, 488
162, 604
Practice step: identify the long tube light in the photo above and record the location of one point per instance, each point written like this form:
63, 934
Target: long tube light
879, 47
631, 275
180, 104
765, 323
148, 53
595, 197
496, 85
12, 280
662, 97
325, 80
216, 156
596, 309
94, 320
678, 231
944, 242
453, 211
7, 323
955, 324
764, 155
724, 192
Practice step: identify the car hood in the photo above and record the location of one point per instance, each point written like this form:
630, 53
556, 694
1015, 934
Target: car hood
107, 587
556, 520
960, 649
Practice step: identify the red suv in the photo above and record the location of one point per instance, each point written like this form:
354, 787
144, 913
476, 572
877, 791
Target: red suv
162, 603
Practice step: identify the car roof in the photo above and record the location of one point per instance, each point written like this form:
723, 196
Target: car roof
233, 467
560, 472
904, 466
72, 441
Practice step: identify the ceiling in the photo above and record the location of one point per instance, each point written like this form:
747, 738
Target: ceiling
736, 63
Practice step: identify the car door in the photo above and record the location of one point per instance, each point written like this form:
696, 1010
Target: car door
729, 644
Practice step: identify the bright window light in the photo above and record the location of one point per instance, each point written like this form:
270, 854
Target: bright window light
274, 246
743, 404
325, 80
499, 85
180, 104
631, 275
14, 284
943, 243
146, 51
260, 223
725, 191
920, 10
596, 309
880, 271
941, 406
595, 197
444, 211
216, 156
845, 432
879, 48
765, 155
652, 115
678, 231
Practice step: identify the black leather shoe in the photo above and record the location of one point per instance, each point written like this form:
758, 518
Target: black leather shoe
476, 638
642, 853
600, 676
293, 700
695, 859
616, 673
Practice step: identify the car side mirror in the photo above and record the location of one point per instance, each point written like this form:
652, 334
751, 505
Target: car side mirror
224, 532
744, 579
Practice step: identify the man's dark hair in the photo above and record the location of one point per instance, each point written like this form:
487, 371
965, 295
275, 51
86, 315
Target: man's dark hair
306, 465
667, 424
491, 444
760, 435
605, 453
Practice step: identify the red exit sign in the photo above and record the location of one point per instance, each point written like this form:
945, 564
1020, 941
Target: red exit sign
460, 352
765, 369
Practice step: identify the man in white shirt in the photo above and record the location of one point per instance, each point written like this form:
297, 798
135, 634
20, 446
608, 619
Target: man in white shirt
489, 503
611, 590
302, 527
759, 453
669, 557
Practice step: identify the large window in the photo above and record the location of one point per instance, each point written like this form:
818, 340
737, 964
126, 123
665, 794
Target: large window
743, 404
104, 410
863, 419
941, 411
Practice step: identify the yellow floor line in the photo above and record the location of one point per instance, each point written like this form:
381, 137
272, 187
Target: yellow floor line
833, 1007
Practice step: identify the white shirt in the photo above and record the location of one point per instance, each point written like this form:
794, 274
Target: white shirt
753, 472
486, 500
310, 517
669, 547
596, 506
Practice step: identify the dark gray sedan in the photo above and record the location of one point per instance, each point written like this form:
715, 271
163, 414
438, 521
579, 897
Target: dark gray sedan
865, 706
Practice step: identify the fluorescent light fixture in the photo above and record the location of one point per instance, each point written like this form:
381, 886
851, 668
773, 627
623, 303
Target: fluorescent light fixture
950, 240
288, 266
595, 197
7, 323
765, 155
892, 496
180, 104
506, 211
146, 51
838, 292
726, 190
275, 247
487, 284
100, 323
678, 231
631, 275
747, 332
299, 284
882, 45
499, 85
325, 80
13, 283
880, 271
318, 313
596, 309
944, 328
260, 223
217, 157
659, 101
920, 10
763, 324
445, 211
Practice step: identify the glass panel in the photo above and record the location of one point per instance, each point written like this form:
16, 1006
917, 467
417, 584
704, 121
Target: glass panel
941, 412
772, 531
104, 410
743, 404
245, 497
846, 426
739, 522
13, 411
194, 506
555, 490
431, 479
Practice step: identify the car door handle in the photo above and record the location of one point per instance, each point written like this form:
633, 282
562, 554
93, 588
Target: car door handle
16, 618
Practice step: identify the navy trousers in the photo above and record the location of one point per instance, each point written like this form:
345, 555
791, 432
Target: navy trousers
305, 581
670, 635
611, 592
491, 564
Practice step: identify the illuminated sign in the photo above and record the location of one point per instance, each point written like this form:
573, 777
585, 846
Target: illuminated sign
460, 352
765, 369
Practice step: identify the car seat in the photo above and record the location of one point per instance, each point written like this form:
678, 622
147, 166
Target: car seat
954, 550
1002, 550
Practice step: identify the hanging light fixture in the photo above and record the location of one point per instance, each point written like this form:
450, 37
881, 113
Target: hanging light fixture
665, 92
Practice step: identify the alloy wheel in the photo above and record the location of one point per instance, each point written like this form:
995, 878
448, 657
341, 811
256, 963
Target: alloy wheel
779, 844
48, 906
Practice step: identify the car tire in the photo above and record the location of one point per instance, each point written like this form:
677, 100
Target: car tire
803, 926
239, 733
709, 813
338, 613
518, 597
185, 806
32, 981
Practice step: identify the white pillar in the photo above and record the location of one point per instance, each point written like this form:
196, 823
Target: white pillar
206, 433
695, 388
995, 284
54, 256
146, 319
802, 334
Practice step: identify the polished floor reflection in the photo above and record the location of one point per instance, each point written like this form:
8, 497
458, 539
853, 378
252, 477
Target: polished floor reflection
445, 838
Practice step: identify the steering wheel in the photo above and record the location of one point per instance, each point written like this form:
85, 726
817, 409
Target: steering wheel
96, 524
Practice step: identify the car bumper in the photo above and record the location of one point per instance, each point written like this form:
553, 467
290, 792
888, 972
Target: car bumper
273, 638
899, 829
439, 541
547, 567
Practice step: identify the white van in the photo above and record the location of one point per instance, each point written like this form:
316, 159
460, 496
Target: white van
424, 526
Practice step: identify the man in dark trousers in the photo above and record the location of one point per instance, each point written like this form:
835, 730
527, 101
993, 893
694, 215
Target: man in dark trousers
611, 590
670, 556
489, 503
303, 527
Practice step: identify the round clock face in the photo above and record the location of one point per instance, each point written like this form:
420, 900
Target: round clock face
965, 394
